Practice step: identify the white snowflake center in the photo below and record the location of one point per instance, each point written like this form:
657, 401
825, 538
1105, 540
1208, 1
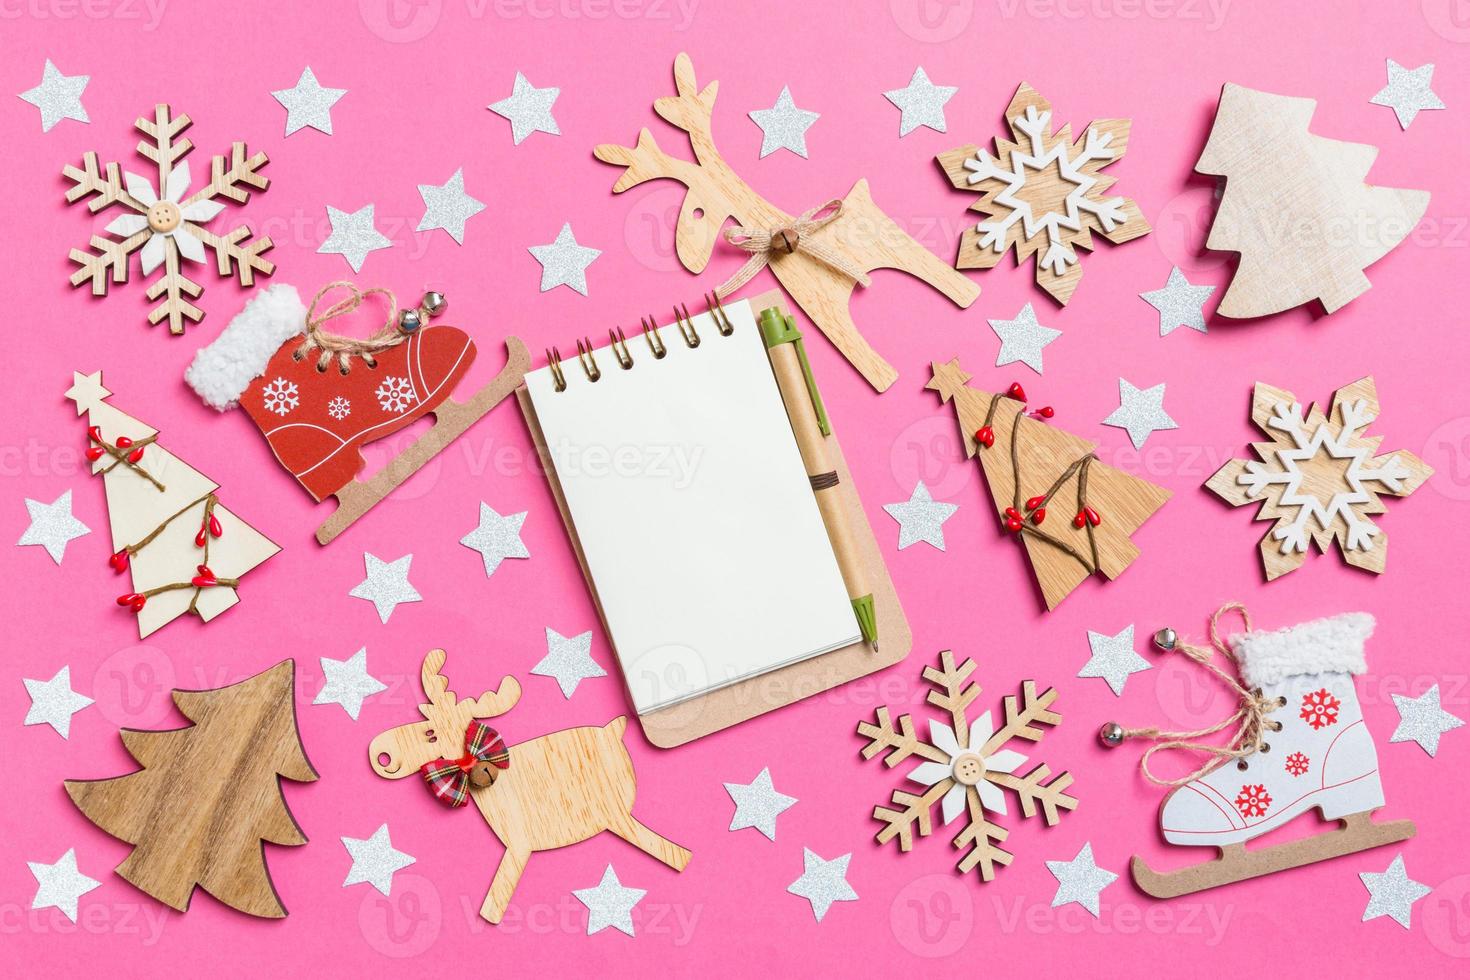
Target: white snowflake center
395, 394
280, 396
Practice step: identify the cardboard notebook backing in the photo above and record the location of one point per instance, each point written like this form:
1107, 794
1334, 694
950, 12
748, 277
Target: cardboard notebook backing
730, 705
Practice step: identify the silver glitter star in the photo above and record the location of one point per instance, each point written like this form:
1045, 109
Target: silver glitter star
1113, 658
386, 584
1140, 411
757, 804
823, 882
921, 103
1022, 339
920, 518
374, 860
1392, 892
528, 109
610, 903
347, 682
58, 96
447, 206
564, 262
1080, 880
60, 885
784, 126
53, 702
568, 660
1180, 303
497, 538
1408, 91
1422, 720
308, 104
353, 235
52, 526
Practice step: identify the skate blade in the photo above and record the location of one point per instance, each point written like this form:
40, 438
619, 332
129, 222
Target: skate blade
1358, 833
451, 419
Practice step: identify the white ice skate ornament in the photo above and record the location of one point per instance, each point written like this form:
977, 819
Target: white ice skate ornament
967, 768
1319, 478
1298, 741
1043, 193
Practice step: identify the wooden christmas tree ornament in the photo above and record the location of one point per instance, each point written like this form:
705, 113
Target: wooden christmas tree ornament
968, 767
1319, 478
1034, 469
1296, 206
319, 397
537, 795
208, 796
164, 222
1043, 193
817, 256
184, 550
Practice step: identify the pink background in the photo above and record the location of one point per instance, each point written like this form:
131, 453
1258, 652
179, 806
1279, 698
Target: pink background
414, 112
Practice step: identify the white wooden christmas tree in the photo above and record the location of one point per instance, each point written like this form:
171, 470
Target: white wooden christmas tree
185, 551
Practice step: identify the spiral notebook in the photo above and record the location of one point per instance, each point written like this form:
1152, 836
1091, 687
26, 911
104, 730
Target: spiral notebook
684, 487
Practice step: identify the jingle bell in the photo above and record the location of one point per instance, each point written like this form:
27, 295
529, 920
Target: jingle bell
1111, 734
1166, 639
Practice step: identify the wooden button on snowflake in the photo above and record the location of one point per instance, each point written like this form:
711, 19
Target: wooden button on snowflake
165, 223
1043, 192
1318, 478
967, 768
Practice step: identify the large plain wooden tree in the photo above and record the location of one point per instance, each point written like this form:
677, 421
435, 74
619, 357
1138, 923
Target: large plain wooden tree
208, 795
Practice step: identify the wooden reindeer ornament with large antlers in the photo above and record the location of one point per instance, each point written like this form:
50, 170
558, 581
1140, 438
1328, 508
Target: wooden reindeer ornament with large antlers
817, 256
546, 793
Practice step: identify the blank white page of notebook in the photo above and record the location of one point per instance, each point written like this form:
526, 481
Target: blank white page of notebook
698, 523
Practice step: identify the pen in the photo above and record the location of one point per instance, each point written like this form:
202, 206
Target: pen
809, 423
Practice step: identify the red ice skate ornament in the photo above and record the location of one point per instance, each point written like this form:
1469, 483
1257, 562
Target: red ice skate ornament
320, 397
1299, 742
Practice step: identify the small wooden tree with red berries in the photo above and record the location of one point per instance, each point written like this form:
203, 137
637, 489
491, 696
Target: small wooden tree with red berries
1033, 468
208, 795
185, 551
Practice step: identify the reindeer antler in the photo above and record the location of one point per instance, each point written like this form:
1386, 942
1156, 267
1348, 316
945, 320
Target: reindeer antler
436, 685
647, 162
487, 705
496, 702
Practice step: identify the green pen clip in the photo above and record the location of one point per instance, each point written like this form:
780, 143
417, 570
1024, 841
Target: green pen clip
777, 329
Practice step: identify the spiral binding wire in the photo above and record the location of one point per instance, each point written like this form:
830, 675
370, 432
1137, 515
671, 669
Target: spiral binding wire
651, 333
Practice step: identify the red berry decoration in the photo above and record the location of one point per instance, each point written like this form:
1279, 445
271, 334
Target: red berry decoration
133, 600
123, 442
1016, 391
94, 453
204, 578
1038, 515
119, 561
199, 539
135, 455
985, 436
1093, 517
96, 433
215, 528
1046, 411
1035, 502
1080, 520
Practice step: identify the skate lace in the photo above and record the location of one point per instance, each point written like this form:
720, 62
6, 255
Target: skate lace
1249, 720
341, 347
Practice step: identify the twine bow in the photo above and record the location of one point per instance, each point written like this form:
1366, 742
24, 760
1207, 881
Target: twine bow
450, 779
799, 236
1249, 718
345, 348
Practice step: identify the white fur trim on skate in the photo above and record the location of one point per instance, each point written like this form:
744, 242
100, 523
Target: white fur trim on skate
224, 369
1323, 646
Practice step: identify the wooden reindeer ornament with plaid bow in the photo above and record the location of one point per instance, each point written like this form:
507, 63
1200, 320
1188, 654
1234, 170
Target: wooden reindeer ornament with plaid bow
539, 795
818, 256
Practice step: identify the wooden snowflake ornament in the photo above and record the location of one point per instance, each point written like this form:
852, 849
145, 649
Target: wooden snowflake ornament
1318, 478
1043, 192
968, 768
165, 222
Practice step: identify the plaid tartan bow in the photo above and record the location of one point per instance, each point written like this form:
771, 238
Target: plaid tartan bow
449, 779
